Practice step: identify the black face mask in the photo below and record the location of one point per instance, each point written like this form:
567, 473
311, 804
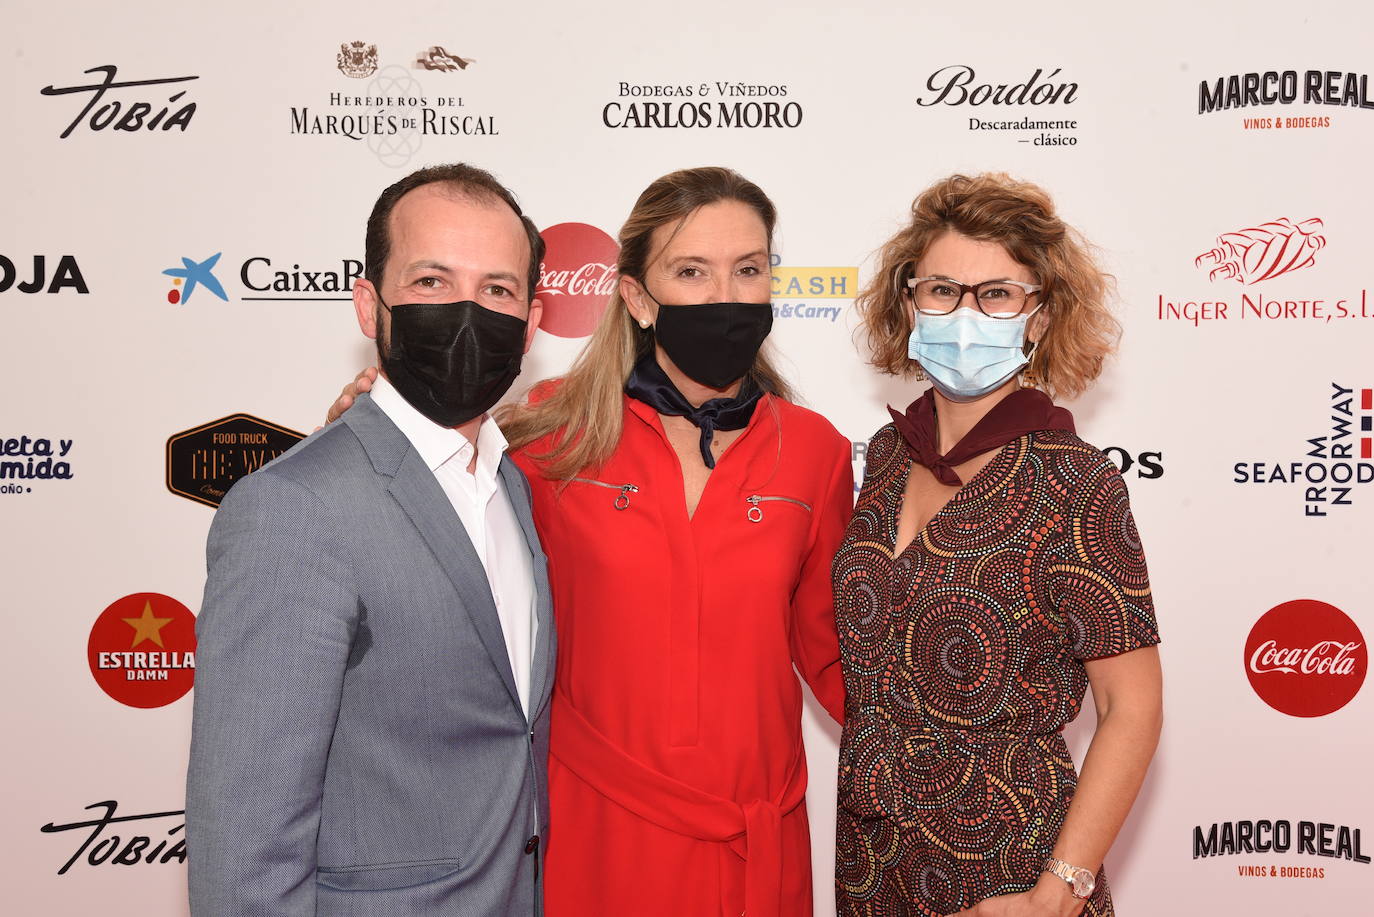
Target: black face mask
713, 343
452, 361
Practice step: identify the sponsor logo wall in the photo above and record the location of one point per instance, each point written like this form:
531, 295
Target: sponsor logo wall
185, 226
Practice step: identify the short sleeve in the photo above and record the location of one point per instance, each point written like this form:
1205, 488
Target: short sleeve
1100, 585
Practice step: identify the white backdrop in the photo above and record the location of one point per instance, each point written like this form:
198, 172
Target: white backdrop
106, 366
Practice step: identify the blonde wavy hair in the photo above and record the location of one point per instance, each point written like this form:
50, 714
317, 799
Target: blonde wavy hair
1019, 216
585, 412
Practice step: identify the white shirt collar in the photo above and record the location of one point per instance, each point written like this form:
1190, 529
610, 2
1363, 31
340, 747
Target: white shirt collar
438, 444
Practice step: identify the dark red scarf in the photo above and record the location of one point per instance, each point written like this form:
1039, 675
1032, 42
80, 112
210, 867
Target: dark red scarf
1025, 410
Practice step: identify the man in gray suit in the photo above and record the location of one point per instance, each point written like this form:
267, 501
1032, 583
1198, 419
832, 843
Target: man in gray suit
376, 644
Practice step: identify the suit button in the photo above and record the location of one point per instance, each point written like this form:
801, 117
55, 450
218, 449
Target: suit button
532, 845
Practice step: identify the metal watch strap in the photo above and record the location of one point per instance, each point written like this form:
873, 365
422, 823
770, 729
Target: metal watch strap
1065, 871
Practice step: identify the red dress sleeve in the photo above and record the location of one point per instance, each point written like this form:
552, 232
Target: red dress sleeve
815, 644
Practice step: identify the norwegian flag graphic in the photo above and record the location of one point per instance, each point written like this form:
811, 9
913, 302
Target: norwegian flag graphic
1367, 422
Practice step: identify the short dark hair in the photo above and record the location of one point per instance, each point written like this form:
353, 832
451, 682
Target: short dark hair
460, 178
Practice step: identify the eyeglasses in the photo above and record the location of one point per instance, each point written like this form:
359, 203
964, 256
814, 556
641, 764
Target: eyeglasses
995, 298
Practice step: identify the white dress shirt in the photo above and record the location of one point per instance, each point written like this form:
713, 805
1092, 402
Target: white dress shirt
485, 509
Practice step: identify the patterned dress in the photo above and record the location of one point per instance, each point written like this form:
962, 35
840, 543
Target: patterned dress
963, 660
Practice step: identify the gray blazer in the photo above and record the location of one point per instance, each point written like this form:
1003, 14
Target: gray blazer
358, 747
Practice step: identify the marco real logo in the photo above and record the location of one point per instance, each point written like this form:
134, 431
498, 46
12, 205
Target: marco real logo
1261, 97
1261, 273
142, 650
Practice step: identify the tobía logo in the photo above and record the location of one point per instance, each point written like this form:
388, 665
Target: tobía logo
576, 278
1263, 252
134, 118
142, 650
357, 59
1306, 658
204, 462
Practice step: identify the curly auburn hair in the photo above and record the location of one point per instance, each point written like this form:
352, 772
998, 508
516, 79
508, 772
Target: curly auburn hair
1021, 218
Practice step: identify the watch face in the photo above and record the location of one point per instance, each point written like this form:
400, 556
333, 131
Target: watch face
1083, 883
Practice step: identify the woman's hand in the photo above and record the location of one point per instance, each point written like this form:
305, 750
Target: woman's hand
1051, 897
363, 383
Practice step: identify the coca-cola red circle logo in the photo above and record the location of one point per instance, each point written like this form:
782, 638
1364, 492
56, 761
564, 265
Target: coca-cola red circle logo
576, 279
1306, 658
142, 650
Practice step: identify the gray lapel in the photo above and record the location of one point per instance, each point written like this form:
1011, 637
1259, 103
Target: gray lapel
418, 492
541, 674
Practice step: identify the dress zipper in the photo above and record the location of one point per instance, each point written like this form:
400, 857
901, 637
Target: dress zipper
755, 513
622, 499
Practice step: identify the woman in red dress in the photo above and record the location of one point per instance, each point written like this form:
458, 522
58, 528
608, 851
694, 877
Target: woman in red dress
690, 512
990, 574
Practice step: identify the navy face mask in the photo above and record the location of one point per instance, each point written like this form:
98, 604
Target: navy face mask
452, 361
716, 343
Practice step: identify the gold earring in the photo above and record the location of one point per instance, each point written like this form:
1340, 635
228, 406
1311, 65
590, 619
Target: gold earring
917, 373
1029, 378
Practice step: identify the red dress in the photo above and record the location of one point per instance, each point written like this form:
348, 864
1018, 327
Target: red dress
676, 771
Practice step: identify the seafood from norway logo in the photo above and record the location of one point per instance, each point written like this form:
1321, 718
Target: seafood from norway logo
142, 650
1336, 461
576, 278
1306, 658
396, 111
1255, 255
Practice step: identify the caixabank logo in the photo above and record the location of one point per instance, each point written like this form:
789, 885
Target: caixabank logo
1328, 468
576, 278
1261, 97
409, 101
142, 650
261, 278
205, 461
811, 293
1031, 108
1261, 273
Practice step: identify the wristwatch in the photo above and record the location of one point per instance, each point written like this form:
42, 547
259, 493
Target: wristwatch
1080, 880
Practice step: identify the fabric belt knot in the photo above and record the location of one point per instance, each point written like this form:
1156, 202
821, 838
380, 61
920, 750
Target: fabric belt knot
752, 830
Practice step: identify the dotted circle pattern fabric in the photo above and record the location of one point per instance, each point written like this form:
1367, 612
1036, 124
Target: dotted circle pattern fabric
963, 660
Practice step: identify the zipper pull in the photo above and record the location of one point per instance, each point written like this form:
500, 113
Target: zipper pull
622, 500
755, 513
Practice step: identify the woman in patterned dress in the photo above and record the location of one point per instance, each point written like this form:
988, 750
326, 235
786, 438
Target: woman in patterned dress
990, 574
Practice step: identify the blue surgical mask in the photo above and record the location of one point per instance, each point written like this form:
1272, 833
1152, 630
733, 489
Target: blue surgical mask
966, 354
